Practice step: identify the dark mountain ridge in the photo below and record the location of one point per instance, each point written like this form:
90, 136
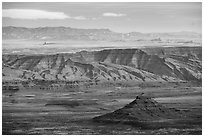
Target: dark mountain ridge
108, 65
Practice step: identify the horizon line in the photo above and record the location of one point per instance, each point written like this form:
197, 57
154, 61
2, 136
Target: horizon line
101, 29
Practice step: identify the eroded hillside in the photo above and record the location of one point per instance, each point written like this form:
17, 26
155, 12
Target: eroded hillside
106, 65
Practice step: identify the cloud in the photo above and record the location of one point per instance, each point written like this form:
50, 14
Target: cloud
113, 14
33, 14
79, 18
36, 14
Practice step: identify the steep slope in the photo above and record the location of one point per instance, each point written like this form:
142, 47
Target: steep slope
61, 67
106, 65
171, 65
186, 52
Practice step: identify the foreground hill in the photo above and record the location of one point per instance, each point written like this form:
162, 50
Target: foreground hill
107, 65
143, 112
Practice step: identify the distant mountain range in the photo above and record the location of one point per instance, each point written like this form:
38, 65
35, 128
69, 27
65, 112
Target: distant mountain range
67, 33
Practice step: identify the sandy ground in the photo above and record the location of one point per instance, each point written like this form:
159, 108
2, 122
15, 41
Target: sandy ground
34, 111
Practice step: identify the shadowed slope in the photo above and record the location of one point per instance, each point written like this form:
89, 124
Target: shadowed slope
142, 109
145, 112
112, 64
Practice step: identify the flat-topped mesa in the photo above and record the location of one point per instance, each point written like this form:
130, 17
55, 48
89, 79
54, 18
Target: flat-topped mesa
142, 109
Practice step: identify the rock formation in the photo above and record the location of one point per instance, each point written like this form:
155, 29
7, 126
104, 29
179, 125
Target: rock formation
141, 112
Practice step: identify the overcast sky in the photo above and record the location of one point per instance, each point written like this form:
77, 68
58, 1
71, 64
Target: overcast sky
119, 17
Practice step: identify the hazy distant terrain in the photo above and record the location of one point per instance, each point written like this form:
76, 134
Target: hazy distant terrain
67, 33
66, 39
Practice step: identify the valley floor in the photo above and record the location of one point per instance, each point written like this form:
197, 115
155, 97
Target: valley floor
36, 111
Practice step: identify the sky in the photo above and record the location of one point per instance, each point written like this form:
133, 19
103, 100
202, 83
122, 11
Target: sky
119, 17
